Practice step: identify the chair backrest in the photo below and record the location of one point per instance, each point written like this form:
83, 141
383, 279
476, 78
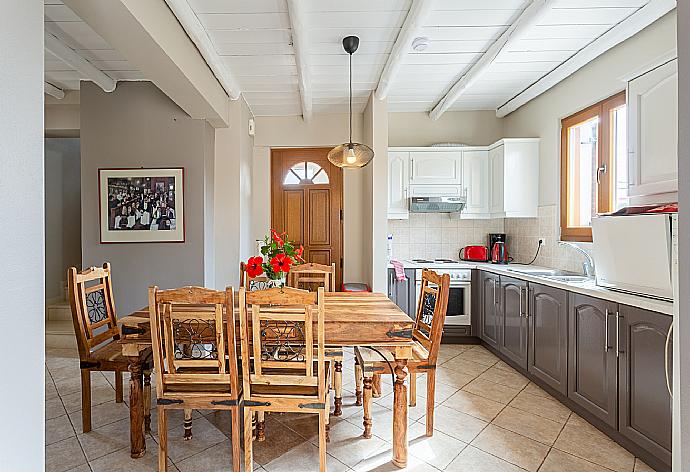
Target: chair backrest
280, 323
252, 283
93, 307
311, 276
431, 312
190, 339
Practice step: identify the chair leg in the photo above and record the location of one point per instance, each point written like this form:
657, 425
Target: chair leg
162, 439
118, 387
358, 383
260, 426
85, 400
430, 394
322, 440
328, 418
338, 383
187, 424
376, 386
413, 388
367, 406
248, 440
147, 401
235, 431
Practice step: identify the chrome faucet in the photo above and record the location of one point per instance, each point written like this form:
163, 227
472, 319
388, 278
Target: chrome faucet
588, 264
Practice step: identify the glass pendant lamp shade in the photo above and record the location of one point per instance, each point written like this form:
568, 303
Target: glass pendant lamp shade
351, 154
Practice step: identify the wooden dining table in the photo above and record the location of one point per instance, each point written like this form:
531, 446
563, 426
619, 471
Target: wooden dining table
351, 319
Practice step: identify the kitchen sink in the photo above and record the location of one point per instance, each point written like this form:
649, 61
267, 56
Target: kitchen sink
569, 278
542, 272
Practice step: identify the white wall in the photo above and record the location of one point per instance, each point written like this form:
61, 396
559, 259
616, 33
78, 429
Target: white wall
62, 116
468, 127
322, 131
599, 79
21, 239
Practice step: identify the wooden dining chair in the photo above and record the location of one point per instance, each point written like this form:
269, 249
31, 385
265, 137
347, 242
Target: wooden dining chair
310, 276
194, 356
426, 334
92, 302
279, 369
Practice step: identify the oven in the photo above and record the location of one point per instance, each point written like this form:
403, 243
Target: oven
459, 295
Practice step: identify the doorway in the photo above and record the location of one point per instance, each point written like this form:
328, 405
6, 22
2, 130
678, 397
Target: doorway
307, 203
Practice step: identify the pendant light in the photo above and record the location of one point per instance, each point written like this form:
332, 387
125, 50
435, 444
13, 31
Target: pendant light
351, 154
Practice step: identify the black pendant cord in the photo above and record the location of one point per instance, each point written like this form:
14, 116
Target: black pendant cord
350, 98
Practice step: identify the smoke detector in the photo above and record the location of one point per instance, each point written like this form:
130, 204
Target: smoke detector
420, 44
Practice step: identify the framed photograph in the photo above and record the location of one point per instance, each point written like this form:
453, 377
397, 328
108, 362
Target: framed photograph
141, 205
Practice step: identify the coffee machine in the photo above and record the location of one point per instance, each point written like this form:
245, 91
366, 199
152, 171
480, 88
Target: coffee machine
497, 248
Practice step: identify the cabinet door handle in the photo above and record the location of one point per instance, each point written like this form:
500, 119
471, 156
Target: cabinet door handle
495, 302
606, 332
618, 335
522, 313
668, 377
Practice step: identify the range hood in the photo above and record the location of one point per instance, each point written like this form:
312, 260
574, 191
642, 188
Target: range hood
436, 204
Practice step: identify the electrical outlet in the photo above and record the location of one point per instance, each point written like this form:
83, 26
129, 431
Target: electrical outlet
541, 241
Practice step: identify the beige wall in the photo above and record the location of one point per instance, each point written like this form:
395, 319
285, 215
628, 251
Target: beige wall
322, 131
468, 127
62, 116
137, 125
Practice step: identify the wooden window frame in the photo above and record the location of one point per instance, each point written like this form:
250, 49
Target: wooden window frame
605, 186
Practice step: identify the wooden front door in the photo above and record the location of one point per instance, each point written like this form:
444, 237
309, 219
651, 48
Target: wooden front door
307, 203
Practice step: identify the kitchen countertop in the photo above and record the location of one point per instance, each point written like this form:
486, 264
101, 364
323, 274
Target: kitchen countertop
586, 288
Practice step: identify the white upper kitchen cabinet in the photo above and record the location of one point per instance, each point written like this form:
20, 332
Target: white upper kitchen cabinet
514, 179
436, 167
653, 135
398, 185
476, 187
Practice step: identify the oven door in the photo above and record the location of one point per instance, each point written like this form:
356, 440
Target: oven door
459, 303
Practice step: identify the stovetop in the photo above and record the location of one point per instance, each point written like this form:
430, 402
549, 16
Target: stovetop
435, 261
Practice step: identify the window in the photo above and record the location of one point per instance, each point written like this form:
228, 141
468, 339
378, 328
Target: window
594, 172
306, 173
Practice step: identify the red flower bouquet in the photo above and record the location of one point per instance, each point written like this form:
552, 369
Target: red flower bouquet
279, 255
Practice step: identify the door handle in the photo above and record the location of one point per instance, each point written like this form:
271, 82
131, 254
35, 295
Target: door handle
601, 170
521, 312
618, 334
495, 302
606, 331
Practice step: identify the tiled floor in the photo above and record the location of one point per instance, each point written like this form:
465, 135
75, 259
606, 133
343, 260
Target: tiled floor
489, 418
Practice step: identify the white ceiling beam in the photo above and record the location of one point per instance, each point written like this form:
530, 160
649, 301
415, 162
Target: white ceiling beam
197, 33
414, 22
528, 18
151, 38
70, 57
53, 91
633, 24
300, 44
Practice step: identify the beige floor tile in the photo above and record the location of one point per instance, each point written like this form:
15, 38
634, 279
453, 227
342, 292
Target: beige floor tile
534, 427
504, 377
558, 461
105, 440
511, 447
50, 391
453, 378
222, 420
474, 405
457, 424
480, 355
546, 407
64, 455
442, 390
472, 459
217, 459
101, 415
642, 467
492, 391
68, 385
465, 366
381, 461
581, 423
54, 407
348, 446
99, 394
438, 450
279, 440
597, 448
303, 457
204, 436
504, 366
121, 461
414, 413
534, 389
58, 429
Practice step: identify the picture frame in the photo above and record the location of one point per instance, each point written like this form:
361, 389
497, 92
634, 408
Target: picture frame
141, 205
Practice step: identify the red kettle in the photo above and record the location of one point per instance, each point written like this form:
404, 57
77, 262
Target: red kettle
499, 254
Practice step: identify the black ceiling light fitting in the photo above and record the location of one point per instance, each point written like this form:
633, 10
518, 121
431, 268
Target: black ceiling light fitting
351, 154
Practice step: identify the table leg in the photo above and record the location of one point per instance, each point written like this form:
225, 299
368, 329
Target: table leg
136, 410
400, 415
338, 383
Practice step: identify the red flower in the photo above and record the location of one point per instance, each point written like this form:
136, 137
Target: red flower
299, 252
281, 263
277, 237
254, 268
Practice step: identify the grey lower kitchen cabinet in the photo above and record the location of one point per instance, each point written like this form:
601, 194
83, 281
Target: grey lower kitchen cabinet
403, 293
592, 360
513, 318
490, 320
547, 353
644, 402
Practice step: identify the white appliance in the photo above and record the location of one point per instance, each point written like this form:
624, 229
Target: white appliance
459, 293
634, 254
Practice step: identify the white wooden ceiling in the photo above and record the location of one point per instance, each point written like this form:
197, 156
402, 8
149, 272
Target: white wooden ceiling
254, 38
71, 30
